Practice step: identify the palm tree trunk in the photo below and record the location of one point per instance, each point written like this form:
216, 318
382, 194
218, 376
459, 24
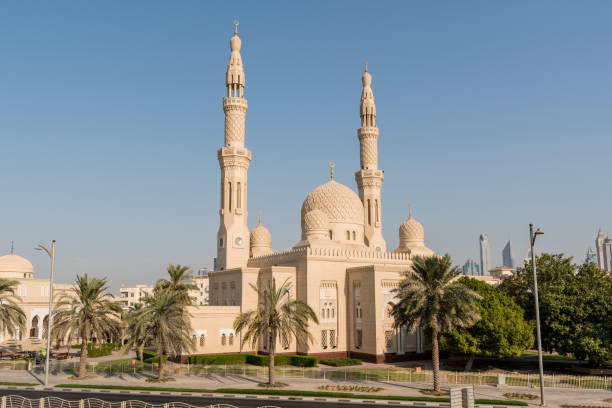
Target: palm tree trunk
160, 368
83, 360
272, 343
140, 352
435, 359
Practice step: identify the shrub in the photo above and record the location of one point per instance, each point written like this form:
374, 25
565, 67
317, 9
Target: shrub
254, 359
149, 356
341, 362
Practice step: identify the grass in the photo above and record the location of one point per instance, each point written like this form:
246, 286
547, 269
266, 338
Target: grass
550, 357
19, 384
286, 392
349, 388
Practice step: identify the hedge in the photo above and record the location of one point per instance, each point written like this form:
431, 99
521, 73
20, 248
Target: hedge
341, 362
149, 356
95, 350
254, 359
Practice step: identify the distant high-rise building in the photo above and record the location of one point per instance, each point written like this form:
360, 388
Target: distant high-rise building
507, 258
485, 255
604, 251
471, 268
591, 258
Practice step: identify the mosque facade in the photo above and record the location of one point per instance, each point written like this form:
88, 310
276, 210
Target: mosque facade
340, 265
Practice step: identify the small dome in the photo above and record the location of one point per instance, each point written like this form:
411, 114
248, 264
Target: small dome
339, 203
12, 263
411, 231
260, 236
315, 220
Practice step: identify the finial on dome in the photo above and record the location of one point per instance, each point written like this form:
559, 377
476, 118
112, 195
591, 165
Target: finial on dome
12, 247
409, 210
366, 65
259, 217
331, 166
235, 27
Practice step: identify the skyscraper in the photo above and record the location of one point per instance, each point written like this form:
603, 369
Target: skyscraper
470, 268
508, 259
485, 255
604, 251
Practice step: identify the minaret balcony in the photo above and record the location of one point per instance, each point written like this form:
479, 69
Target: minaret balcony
233, 102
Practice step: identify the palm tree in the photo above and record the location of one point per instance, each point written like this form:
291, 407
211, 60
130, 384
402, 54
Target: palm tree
180, 280
89, 311
12, 318
163, 322
429, 298
138, 331
277, 317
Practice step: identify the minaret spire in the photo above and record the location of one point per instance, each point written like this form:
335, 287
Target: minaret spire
369, 178
234, 160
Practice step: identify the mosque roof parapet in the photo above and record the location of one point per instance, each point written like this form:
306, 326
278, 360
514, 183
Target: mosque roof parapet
331, 253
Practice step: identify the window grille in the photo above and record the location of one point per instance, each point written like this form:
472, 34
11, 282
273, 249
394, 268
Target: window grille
231, 339
324, 339
332, 338
359, 339
223, 339
194, 340
389, 339
202, 340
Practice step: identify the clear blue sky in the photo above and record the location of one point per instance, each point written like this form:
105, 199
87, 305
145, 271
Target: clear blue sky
491, 114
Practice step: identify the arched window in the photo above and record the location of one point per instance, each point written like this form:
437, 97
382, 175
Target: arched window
238, 195
348, 235
333, 311
331, 235
354, 236
194, 340
231, 339
230, 196
376, 209
388, 311
369, 212
34, 327
323, 313
202, 340
223, 339
328, 313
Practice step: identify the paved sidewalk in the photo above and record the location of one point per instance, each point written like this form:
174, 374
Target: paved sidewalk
554, 397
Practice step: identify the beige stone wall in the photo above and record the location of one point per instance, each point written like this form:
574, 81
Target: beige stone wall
213, 331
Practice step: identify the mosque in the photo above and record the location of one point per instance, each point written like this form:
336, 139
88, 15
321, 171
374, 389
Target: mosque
340, 265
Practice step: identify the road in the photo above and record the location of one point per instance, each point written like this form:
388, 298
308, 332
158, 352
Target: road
250, 401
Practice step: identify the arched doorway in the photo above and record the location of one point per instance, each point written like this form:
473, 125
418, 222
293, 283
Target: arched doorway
44, 326
34, 329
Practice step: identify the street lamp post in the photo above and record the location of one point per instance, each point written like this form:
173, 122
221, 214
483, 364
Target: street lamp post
51, 254
532, 238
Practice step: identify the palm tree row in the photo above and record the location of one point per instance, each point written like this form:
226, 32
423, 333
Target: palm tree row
426, 297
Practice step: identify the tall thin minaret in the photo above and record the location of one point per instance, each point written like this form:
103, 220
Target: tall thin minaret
369, 178
234, 160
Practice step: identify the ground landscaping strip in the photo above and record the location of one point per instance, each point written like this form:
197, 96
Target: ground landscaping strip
287, 393
19, 384
340, 361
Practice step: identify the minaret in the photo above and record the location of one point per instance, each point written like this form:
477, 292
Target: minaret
234, 159
369, 178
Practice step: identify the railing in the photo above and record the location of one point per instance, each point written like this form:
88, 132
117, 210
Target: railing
400, 375
17, 401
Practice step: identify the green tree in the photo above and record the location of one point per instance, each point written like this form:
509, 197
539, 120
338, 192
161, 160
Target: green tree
575, 307
278, 317
164, 323
85, 312
136, 330
180, 280
12, 317
429, 298
501, 332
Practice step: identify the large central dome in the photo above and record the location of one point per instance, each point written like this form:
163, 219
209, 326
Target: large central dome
337, 201
15, 266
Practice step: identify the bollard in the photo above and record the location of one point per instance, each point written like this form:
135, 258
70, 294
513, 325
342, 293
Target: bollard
3, 402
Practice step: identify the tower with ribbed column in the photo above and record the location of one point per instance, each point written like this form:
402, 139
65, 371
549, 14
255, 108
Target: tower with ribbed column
234, 160
369, 178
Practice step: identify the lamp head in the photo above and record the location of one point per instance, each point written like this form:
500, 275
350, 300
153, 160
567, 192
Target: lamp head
539, 232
